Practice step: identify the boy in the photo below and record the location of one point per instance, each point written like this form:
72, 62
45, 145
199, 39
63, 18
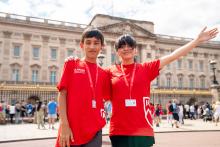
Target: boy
82, 87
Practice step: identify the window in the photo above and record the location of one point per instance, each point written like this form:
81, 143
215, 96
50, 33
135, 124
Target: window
148, 55
78, 53
35, 75
168, 82
202, 83
113, 58
190, 64
158, 82
35, 52
15, 75
168, 66
70, 52
179, 63
191, 83
53, 54
16, 51
53, 77
180, 82
201, 66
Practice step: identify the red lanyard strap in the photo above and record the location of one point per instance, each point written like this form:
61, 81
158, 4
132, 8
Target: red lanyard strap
90, 79
129, 85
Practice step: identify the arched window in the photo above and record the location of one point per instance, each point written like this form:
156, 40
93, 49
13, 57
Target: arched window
191, 81
202, 82
179, 64
35, 73
168, 80
180, 80
15, 72
70, 52
53, 74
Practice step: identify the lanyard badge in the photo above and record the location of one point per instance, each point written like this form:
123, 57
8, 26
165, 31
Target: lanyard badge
93, 103
130, 102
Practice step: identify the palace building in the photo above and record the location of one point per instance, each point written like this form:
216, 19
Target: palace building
33, 50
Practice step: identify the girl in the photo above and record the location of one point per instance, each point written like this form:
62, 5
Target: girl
131, 123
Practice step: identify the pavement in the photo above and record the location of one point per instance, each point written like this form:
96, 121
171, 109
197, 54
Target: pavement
24, 132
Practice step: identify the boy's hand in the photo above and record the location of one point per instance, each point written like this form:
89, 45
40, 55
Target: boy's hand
65, 136
70, 58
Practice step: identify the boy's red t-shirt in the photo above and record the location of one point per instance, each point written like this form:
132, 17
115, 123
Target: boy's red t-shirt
132, 121
84, 120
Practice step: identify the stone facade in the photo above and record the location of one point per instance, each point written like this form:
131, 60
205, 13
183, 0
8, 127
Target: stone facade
34, 49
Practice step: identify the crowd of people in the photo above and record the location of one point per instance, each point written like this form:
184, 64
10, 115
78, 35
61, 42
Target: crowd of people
21, 111
176, 112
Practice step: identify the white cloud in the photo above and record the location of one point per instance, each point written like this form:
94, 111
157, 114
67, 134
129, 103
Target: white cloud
171, 17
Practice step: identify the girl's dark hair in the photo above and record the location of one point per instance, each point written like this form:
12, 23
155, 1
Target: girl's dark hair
125, 39
39, 105
92, 32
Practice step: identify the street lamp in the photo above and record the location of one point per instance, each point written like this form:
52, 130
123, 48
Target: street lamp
212, 64
100, 59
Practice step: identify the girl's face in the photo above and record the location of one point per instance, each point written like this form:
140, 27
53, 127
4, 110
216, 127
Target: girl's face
126, 52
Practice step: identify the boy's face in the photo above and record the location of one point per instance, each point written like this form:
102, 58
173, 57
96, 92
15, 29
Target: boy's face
91, 47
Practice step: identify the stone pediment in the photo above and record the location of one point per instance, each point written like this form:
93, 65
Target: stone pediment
127, 28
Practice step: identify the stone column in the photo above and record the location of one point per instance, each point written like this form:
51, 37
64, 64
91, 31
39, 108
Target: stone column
144, 52
6, 56
79, 52
61, 52
62, 49
45, 53
154, 52
27, 55
107, 59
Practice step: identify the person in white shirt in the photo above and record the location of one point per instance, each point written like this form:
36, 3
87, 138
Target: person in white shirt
192, 111
12, 112
180, 113
217, 112
187, 110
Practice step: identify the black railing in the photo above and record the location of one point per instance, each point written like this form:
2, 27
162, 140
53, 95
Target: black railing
180, 88
27, 83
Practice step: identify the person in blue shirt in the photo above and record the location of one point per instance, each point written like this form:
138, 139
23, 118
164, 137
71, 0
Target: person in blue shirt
52, 112
29, 110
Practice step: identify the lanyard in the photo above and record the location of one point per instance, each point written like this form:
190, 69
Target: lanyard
90, 79
130, 86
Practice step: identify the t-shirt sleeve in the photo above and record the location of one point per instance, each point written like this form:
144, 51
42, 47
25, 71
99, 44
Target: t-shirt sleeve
63, 83
152, 69
107, 85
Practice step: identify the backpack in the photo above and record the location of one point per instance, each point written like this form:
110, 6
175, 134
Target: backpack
171, 108
157, 112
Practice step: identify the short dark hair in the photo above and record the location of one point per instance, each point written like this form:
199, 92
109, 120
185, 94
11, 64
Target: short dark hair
92, 32
125, 39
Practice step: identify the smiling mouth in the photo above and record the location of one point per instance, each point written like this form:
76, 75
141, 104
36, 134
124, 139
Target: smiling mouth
126, 52
92, 51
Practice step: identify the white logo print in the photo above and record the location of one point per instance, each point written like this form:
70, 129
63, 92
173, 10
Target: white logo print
147, 111
78, 70
102, 111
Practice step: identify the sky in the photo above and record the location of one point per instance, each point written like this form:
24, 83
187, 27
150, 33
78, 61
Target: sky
182, 18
